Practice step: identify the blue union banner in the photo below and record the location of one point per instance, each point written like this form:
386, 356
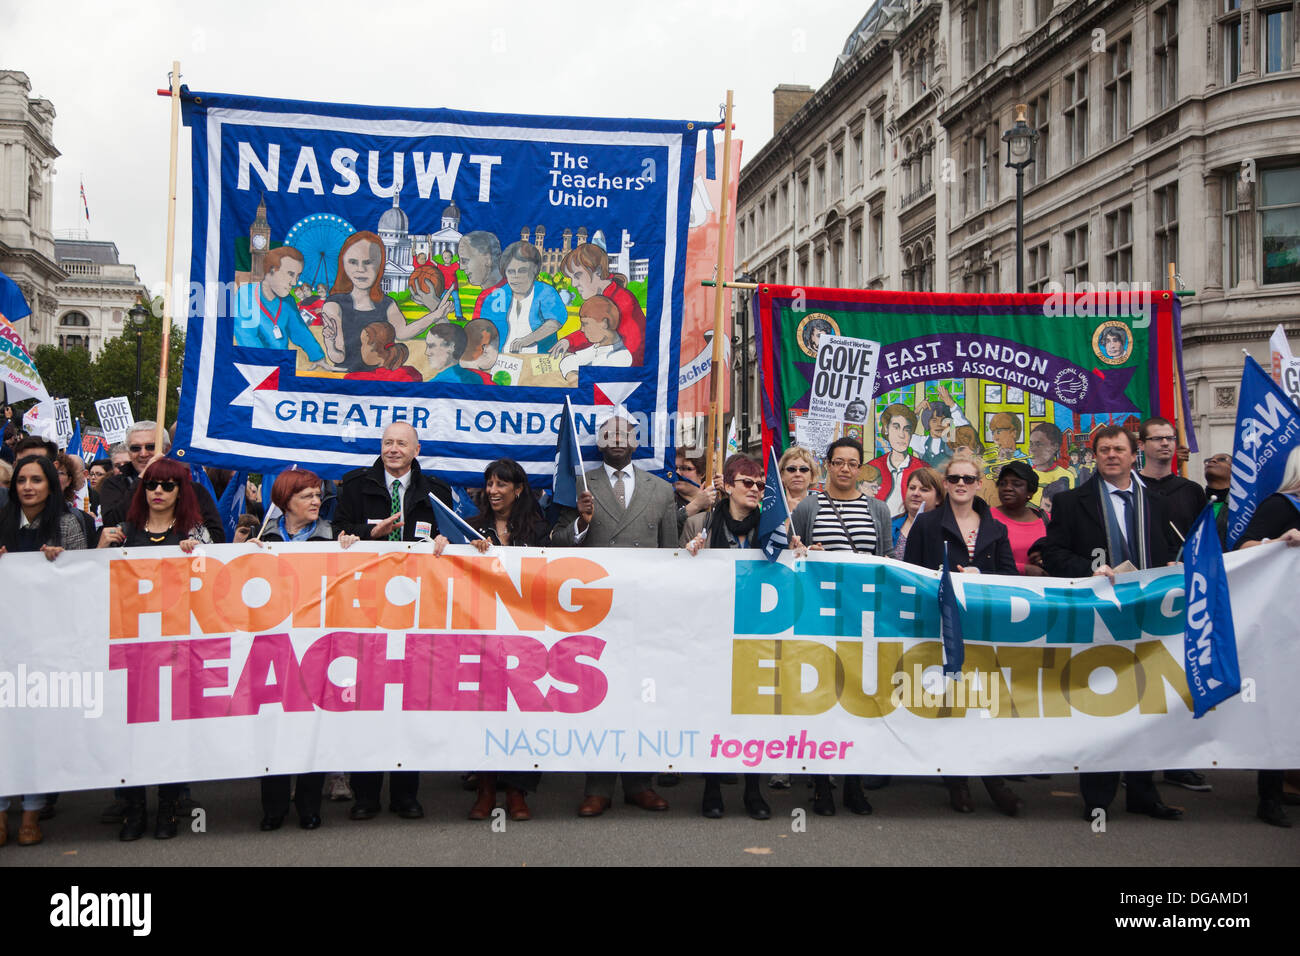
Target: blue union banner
465, 272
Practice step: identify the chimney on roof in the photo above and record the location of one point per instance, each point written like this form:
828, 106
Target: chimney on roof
786, 101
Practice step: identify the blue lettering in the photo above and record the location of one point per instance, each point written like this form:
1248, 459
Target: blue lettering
460, 425
490, 418
280, 410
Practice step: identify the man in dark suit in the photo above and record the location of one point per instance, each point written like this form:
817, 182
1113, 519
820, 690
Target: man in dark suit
389, 501
1105, 522
623, 507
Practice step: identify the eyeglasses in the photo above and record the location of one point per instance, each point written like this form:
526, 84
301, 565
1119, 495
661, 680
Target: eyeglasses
797, 469
1159, 438
750, 483
1218, 460
136, 449
961, 479
153, 484
845, 463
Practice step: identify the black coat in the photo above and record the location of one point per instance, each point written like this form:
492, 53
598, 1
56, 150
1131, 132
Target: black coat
1274, 517
1184, 500
116, 491
1076, 535
364, 498
931, 529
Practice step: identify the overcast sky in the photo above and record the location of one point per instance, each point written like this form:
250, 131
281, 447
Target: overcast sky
100, 63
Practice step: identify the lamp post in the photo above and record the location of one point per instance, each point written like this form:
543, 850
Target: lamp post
139, 316
744, 362
1020, 140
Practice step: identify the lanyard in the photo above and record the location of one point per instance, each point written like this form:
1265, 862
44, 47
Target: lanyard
279, 304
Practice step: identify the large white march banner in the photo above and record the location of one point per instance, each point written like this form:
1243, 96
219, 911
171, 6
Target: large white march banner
464, 272
238, 662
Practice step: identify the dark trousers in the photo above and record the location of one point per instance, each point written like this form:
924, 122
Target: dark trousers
275, 795
602, 784
1269, 783
167, 793
990, 783
403, 785
1099, 789
525, 780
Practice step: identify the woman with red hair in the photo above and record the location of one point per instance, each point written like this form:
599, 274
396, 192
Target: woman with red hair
358, 299
163, 511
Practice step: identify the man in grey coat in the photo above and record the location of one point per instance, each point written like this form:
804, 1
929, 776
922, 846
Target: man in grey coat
624, 507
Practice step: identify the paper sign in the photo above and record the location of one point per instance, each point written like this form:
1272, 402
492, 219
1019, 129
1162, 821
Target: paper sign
844, 379
62, 422
115, 418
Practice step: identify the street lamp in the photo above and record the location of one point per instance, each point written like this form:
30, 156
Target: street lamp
1020, 140
139, 316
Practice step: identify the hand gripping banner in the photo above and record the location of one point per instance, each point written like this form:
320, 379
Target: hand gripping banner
354, 266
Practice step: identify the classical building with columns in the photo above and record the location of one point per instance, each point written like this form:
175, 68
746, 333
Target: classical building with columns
92, 302
1169, 131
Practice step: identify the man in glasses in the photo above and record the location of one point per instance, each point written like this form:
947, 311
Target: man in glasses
115, 491
1184, 499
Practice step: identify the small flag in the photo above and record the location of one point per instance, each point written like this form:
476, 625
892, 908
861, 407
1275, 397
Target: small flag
74, 443
1268, 428
231, 505
451, 525
954, 650
1209, 638
568, 462
733, 440
462, 502
774, 512
83, 200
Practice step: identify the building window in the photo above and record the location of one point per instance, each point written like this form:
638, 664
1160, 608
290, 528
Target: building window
761, 234
1165, 217
1230, 34
1166, 56
878, 244
1076, 253
803, 200
821, 186
1119, 88
859, 276
75, 318
1276, 44
982, 179
878, 141
982, 38
1119, 245
1038, 266
1076, 114
741, 236
1042, 11
837, 264
820, 259
783, 210
1040, 119
839, 173
1279, 218
1231, 232
859, 157
69, 342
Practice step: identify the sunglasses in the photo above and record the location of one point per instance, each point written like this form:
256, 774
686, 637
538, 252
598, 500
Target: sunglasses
749, 483
797, 469
136, 449
153, 484
961, 479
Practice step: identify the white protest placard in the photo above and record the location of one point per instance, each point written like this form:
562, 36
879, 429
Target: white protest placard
844, 379
62, 422
1291, 379
115, 418
814, 433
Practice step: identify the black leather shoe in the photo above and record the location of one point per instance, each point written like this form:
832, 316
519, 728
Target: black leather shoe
874, 781
855, 800
408, 810
310, 822
134, 821
271, 823
1157, 811
1271, 812
363, 811
960, 799
164, 827
711, 807
823, 801
757, 807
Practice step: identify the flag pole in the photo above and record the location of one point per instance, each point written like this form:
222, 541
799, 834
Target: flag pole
1180, 418
164, 354
715, 377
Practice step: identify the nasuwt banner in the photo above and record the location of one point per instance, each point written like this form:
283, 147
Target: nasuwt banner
239, 662
1004, 376
354, 266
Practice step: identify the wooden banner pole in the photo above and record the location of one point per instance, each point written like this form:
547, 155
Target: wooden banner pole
716, 370
1180, 419
164, 354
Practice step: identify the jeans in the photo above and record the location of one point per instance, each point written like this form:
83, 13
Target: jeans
31, 801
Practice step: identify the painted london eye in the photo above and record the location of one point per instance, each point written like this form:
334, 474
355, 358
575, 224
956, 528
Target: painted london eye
319, 237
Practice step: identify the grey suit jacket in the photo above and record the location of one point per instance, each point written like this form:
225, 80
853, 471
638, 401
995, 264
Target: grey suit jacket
648, 521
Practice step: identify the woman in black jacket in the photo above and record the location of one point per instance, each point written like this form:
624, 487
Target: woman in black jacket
977, 543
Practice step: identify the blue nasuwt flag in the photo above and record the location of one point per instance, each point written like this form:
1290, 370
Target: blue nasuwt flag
231, 505
1209, 638
774, 511
451, 525
74, 443
1268, 429
954, 649
13, 306
462, 502
568, 461
200, 477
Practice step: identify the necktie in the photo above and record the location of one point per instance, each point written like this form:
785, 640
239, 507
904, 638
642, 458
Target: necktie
396, 533
1130, 525
620, 490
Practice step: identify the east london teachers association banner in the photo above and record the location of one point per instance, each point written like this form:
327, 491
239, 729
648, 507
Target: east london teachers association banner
1004, 376
354, 266
238, 662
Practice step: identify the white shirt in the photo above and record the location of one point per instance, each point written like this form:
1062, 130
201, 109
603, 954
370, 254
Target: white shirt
629, 480
1120, 505
405, 482
520, 307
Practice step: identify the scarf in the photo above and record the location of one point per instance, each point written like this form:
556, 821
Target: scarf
721, 523
1139, 550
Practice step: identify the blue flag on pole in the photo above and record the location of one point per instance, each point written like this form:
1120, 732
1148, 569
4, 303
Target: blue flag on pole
231, 505
774, 511
13, 306
1209, 639
1268, 428
568, 461
462, 502
74, 443
451, 525
954, 649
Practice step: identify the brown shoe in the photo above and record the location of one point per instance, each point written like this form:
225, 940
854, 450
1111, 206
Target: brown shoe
516, 805
29, 833
646, 800
487, 797
593, 806
1004, 798
959, 796
4, 828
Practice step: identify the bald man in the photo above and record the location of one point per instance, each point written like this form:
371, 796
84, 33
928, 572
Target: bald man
389, 501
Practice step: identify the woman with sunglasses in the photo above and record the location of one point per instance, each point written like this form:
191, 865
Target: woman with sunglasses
35, 519
798, 469
976, 543
163, 511
733, 523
